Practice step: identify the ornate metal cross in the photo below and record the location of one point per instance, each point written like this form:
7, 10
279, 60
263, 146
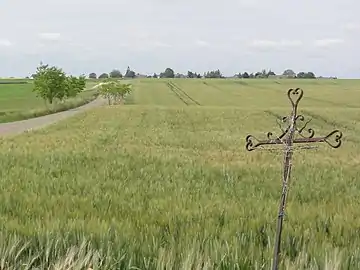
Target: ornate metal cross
288, 138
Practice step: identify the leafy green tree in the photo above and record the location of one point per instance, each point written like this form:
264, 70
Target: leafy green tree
115, 92
179, 75
115, 74
300, 75
311, 75
191, 75
306, 75
289, 73
258, 75
238, 75
104, 76
50, 83
155, 76
246, 75
168, 73
92, 75
213, 74
74, 86
271, 73
105, 90
264, 74
121, 91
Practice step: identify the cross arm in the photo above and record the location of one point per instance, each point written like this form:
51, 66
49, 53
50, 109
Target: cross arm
333, 139
252, 142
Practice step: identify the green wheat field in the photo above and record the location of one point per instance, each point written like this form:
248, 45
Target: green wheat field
165, 182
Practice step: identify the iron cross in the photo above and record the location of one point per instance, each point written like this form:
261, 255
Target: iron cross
288, 139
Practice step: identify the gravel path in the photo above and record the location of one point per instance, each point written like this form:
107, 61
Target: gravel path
18, 127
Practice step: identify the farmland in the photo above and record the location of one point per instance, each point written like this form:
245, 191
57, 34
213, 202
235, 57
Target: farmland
17, 101
164, 182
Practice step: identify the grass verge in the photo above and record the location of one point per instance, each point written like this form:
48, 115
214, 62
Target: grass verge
86, 97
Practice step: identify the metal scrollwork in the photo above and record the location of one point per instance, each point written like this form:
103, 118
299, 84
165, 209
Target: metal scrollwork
293, 122
310, 131
334, 139
300, 125
250, 144
298, 93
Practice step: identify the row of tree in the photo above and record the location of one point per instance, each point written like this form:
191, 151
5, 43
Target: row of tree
52, 83
115, 73
289, 73
169, 73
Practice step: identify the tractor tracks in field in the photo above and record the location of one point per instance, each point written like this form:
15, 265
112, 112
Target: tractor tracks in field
329, 121
212, 86
181, 94
278, 116
338, 125
318, 117
328, 102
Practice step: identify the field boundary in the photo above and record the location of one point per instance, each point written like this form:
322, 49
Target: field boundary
45, 119
18, 127
14, 82
15, 116
21, 115
182, 95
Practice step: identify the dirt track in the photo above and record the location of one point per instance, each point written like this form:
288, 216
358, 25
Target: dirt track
18, 127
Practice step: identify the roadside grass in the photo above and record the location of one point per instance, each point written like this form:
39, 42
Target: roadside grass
171, 186
18, 102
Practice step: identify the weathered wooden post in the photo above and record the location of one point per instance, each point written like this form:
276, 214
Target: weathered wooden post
288, 139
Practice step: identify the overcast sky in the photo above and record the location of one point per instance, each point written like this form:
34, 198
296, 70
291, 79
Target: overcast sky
85, 36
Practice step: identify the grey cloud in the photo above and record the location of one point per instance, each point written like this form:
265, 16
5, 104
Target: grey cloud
202, 43
352, 26
5, 42
275, 44
90, 35
49, 36
327, 42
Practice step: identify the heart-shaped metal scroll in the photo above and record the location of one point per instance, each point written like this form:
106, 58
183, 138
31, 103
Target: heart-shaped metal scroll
295, 95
